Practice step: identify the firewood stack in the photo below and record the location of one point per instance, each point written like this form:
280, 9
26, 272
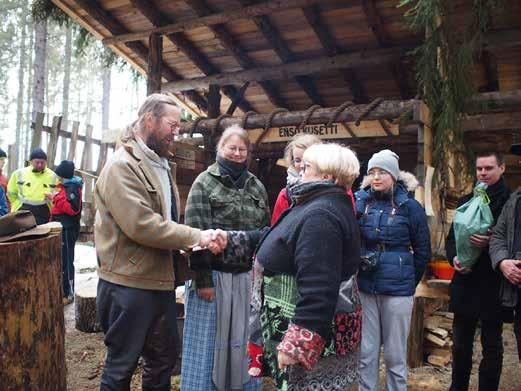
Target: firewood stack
438, 338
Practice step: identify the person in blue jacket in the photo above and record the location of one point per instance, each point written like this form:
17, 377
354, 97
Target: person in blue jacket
395, 248
3, 202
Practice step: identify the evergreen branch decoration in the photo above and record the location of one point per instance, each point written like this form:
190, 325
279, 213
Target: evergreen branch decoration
443, 71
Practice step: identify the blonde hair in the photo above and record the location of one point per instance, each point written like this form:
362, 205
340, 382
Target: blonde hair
156, 105
336, 160
233, 130
301, 141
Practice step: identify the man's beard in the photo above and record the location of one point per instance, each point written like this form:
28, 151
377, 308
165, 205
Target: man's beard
162, 148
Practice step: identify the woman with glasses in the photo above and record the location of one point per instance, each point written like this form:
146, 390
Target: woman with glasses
395, 247
229, 197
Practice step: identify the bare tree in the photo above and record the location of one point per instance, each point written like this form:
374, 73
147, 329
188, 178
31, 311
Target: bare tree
20, 98
66, 85
105, 101
40, 48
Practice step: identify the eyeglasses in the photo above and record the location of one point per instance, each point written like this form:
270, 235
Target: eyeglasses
235, 149
174, 125
378, 173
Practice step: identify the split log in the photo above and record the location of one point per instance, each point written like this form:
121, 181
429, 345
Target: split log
434, 339
439, 361
440, 332
32, 330
448, 315
387, 109
432, 322
85, 314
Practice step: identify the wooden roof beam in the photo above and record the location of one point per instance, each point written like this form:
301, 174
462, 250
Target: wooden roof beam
264, 8
298, 68
312, 14
114, 27
186, 47
375, 22
387, 109
282, 50
239, 54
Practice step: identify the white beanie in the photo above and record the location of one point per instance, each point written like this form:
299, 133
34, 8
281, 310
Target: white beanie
386, 160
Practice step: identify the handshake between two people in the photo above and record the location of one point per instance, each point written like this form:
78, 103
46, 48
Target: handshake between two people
214, 240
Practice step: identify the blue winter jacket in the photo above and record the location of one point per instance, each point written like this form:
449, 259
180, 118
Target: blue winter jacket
3, 202
398, 235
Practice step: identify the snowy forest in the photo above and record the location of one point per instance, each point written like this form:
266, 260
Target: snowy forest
50, 64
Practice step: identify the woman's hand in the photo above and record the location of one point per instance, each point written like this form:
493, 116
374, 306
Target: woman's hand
285, 360
207, 294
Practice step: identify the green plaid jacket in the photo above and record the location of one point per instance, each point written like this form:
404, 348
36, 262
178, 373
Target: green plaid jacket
215, 202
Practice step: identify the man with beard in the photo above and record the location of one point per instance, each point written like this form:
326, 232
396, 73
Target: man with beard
136, 229
32, 188
474, 292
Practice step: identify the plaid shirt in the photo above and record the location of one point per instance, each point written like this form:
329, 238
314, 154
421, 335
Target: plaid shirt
215, 202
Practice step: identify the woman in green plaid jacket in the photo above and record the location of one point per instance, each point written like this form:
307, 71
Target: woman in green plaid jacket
229, 197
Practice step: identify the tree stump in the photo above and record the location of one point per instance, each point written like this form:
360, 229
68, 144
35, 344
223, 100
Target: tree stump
32, 333
85, 313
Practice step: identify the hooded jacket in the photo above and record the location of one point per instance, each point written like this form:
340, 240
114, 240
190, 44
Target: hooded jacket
395, 228
67, 203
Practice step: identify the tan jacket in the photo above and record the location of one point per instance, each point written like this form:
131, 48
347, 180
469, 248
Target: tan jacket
133, 237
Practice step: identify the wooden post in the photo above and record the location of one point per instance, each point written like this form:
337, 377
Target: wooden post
52, 146
103, 151
12, 164
415, 341
74, 140
31, 315
214, 101
37, 131
155, 43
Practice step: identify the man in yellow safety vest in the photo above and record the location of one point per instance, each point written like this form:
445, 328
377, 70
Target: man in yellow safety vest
31, 188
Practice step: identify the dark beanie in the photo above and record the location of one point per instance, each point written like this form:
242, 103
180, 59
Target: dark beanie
38, 153
65, 169
2, 153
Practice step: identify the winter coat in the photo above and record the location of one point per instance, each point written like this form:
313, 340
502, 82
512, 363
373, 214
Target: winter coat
398, 236
215, 202
502, 247
134, 237
3, 202
318, 242
28, 187
282, 204
476, 294
67, 203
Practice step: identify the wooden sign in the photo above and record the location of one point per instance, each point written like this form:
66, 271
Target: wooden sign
335, 131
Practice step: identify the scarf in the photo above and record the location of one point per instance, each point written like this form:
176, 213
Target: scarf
238, 172
498, 194
304, 191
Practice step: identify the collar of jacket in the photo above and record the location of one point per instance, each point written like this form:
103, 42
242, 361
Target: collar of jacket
401, 195
132, 147
214, 171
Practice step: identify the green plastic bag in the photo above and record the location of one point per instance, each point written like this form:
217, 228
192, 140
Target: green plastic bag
473, 217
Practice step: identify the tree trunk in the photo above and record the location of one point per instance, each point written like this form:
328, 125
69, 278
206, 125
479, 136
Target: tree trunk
40, 49
20, 97
31, 314
66, 88
27, 127
85, 313
105, 102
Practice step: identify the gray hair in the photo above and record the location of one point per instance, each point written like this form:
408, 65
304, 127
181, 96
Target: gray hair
233, 130
154, 104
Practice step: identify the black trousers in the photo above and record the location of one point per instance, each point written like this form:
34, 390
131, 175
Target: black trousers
42, 213
137, 323
464, 330
69, 238
517, 323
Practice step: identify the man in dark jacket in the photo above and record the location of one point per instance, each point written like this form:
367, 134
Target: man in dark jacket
474, 291
505, 254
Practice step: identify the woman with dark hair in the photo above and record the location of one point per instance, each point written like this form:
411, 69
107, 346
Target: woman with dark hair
229, 197
395, 249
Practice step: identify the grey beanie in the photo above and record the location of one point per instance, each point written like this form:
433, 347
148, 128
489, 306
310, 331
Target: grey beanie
386, 160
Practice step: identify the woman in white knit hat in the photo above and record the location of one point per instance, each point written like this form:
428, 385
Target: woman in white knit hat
395, 247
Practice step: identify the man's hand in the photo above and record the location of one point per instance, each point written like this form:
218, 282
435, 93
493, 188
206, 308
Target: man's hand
207, 294
219, 243
285, 360
459, 268
49, 196
207, 237
480, 240
511, 269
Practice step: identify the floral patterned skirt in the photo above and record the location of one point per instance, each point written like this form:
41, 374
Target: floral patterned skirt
332, 371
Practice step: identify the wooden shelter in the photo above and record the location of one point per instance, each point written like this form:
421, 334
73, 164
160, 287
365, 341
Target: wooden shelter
340, 69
